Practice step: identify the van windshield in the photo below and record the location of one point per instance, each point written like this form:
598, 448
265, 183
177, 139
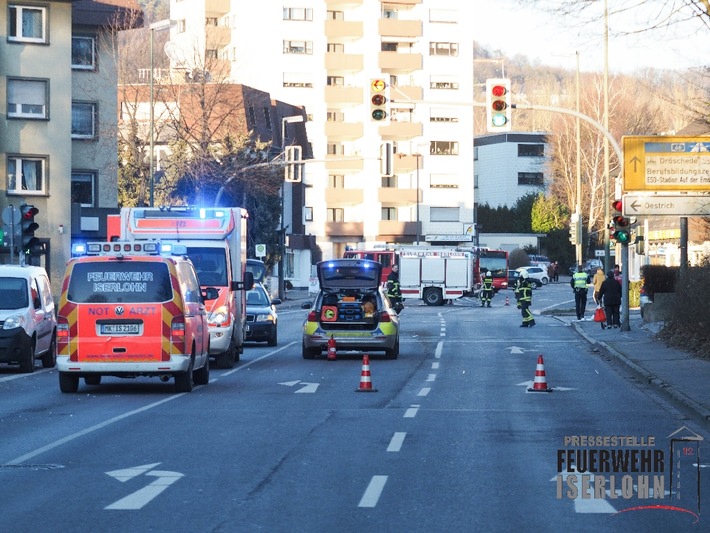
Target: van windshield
120, 282
13, 293
210, 265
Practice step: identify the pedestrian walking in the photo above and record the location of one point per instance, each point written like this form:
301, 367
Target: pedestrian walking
598, 279
556, 272
487, 289
523, 294
610, 291
579, 283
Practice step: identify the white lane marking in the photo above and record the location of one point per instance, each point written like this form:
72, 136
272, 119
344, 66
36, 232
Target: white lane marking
411, 412
396, 442
431, 377
373, 491
143, 496
439, 348
243, 366
10, 377
434, 365
424, 391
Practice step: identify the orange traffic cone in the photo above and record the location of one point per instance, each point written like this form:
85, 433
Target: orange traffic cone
507, 301
540, 382
365, 379
331, 349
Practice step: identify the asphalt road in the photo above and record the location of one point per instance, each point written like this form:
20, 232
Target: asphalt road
451, 441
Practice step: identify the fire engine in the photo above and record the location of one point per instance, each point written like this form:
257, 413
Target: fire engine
435, 274
216, 242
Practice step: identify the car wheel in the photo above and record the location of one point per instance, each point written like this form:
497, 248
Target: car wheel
93, 379
309, 353
228, 358
545, 281
184, 380
273, 338
394, 352
27, 366
68, 382
49, 358
201, 376
433, 296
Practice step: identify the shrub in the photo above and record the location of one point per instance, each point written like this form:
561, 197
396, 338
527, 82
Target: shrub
518, 258
658, 278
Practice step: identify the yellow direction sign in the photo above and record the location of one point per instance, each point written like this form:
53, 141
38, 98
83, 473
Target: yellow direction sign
666, 163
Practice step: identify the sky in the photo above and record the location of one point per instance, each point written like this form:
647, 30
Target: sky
527, 30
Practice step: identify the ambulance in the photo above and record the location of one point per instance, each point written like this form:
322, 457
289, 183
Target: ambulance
127, 310
216, 242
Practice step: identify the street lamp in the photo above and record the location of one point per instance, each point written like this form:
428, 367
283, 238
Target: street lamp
160, 25
418, 156
282, 234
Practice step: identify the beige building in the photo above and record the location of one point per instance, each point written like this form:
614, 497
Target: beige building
58, 123
324, 54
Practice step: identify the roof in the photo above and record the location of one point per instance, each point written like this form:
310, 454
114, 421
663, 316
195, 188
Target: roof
121, 14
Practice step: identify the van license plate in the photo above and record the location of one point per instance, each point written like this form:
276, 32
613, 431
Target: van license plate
115, 329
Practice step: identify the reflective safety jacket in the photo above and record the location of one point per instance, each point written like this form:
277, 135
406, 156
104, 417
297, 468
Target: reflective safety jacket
579, 280
524, 291
488, 283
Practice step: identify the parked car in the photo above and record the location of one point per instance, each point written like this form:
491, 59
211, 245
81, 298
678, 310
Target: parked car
352, 308
536, 273
28, 326
513, 276
590, 267
262, 319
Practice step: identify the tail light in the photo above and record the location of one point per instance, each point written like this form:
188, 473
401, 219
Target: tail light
312, 317
177, 333
385, 317
62, 334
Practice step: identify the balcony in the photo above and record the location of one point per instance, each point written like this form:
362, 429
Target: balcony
336, 62
339, 96
343, 30
345, 131
344, 164
399, 63
395, 196
396, 231
217, 37
217, 7
401, 130
342, 197
404, 163
400, 28
344, 229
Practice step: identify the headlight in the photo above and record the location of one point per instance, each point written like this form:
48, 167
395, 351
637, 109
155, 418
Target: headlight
219, 316
265, 318
15, 321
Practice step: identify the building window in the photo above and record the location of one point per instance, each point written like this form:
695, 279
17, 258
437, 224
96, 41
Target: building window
298, 79
335, 48
443, 49
211, 53
336, 181
389, 182
211, 21
27, 98
83, 188
83, 120
26, 175
298, 47
298, 13
450, 83
531, 150
180, 26
389, 213
335, 81
443, 114
335, 149
28, 24
83, 53
267, 118
308, 214
444, 214
388, 47
443, 181
251, 118
336, 214
335, 15
530, 178
444, 148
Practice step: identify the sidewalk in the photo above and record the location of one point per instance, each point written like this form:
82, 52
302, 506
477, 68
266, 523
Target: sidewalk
680, 377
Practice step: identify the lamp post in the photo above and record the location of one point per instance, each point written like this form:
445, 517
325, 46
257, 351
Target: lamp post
160, 25
418, 156
282, 233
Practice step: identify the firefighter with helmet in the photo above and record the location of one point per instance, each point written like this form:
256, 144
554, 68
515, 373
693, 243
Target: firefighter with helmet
393, 291
487, 289
523, 294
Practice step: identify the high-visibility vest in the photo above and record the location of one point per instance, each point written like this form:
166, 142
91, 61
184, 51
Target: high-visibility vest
580, 280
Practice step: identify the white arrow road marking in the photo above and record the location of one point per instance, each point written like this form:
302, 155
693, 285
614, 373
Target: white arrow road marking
515, 349
307, 387
142, 497
129, 473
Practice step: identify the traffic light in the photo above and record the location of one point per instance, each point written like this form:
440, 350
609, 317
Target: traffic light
575, 230
28, 227
622, 225
498, 105
379, 100
386, 159
293, 171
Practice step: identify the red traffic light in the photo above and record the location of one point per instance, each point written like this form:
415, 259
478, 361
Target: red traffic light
498, 90
29, 212
617, 205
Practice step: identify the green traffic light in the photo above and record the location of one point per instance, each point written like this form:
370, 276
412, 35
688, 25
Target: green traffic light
622, 236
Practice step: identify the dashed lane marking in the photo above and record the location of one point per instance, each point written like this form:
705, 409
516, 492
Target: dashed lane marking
373, 491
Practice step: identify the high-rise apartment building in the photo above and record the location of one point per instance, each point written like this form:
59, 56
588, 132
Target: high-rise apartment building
324, 54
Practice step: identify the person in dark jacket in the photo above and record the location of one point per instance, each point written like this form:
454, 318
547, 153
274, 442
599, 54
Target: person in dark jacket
610, 291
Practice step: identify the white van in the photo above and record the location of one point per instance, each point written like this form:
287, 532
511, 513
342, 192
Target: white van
28, 325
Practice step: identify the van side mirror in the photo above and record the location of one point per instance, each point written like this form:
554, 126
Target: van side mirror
210, 293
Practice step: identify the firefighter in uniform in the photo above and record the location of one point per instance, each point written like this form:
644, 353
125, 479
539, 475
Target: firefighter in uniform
487, 289
393, 291
523, 293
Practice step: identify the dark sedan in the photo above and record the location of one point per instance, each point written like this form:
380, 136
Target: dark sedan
262, 320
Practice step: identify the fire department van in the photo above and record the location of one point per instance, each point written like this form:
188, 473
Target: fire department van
216, 242
435, 274
126, 310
